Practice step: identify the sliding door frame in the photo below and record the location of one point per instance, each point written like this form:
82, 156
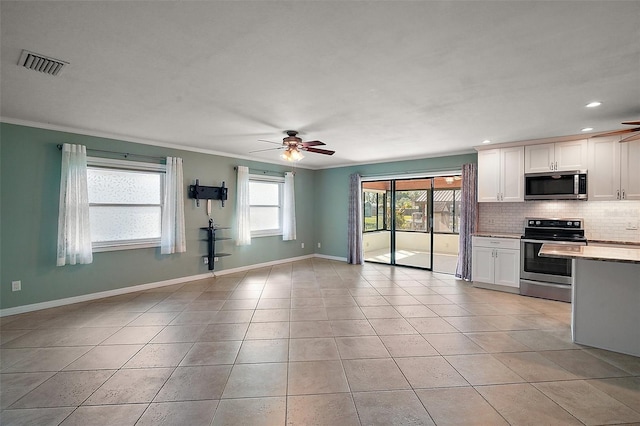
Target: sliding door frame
392, 179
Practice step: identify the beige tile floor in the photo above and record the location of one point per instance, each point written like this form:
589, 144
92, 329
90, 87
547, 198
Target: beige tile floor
312, 342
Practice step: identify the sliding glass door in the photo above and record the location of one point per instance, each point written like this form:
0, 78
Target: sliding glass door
376, 237
412, 219
446, 223
412, 222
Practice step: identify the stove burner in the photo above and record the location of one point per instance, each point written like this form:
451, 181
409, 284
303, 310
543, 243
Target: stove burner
567, 230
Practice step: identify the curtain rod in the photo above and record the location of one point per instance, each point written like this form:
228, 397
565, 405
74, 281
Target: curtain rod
410, 174
124, 154
264, 171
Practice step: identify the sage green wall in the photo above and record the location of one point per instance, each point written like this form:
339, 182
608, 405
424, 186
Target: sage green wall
30, 180
332, 192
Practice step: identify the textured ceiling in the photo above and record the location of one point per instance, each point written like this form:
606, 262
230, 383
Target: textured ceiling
375, 81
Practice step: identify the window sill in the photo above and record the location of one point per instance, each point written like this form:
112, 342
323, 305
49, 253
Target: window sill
124, 246
267, 234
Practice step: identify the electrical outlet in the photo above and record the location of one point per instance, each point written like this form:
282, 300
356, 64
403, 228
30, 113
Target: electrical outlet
16, 285
319, 245
302, 245
205, 260
632, 226
215, 259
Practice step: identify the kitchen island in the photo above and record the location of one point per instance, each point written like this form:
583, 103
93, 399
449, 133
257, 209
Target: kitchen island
605, 295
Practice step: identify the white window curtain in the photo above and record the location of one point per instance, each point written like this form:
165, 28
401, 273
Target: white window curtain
289, 209
243, 207
74, 233
355, 253
173, 238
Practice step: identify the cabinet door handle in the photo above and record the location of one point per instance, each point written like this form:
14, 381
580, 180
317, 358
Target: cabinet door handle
623, 195
618, 194
551, 166
556, 165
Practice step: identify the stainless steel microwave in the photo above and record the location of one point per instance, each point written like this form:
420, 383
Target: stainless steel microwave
558, 185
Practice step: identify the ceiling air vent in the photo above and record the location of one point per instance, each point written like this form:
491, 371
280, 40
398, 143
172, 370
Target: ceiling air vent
37, 62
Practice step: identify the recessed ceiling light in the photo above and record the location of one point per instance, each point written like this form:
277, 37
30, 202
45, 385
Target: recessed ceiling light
593, 104
587, 129
486, 141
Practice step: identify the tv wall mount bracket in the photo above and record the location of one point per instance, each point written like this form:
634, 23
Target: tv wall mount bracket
199, 192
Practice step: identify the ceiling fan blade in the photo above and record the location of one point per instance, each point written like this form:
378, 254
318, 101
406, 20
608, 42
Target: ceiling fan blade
264, 140
632, 123
268, 149
631, 138
312, 143
617, 132
318, 150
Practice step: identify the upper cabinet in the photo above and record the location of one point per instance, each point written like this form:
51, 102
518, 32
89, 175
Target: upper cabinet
570, 155
614, 173
630, 170
501, 175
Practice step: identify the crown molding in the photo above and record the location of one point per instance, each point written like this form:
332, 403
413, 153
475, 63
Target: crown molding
142, 141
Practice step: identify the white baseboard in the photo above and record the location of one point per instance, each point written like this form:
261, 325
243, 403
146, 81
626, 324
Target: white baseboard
116, 292
326, 256
99, 295
263, 265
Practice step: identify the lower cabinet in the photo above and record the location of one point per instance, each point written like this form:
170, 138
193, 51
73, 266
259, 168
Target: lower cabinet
496, 261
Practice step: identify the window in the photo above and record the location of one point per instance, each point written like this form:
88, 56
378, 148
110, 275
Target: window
374, 210
125, 203
411, 208
265, 199
446, 211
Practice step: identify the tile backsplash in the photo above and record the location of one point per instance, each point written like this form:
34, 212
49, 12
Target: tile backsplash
603, 220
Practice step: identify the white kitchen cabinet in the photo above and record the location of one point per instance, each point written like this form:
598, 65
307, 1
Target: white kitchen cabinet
501, 175
630, 170
495, 261
614, 171
572, 155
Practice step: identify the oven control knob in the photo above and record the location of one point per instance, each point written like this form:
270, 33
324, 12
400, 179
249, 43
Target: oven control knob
569, 223
537, 222
531, 222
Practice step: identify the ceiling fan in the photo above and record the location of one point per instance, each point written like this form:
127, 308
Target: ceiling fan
625, 131
293, 146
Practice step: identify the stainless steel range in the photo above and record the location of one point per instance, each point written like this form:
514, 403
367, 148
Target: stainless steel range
547, 277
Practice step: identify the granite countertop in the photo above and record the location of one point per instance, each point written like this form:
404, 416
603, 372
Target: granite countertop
616, 243
607, 254
497, 235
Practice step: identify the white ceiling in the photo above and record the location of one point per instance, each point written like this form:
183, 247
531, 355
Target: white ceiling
376, 81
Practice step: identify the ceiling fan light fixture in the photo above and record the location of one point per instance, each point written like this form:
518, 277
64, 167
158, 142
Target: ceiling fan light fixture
587, 129
486, 141
593, 104
292, 154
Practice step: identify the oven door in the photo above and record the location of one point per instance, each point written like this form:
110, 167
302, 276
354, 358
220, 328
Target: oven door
543, 269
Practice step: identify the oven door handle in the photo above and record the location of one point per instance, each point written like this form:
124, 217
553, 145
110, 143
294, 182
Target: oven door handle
573, 243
